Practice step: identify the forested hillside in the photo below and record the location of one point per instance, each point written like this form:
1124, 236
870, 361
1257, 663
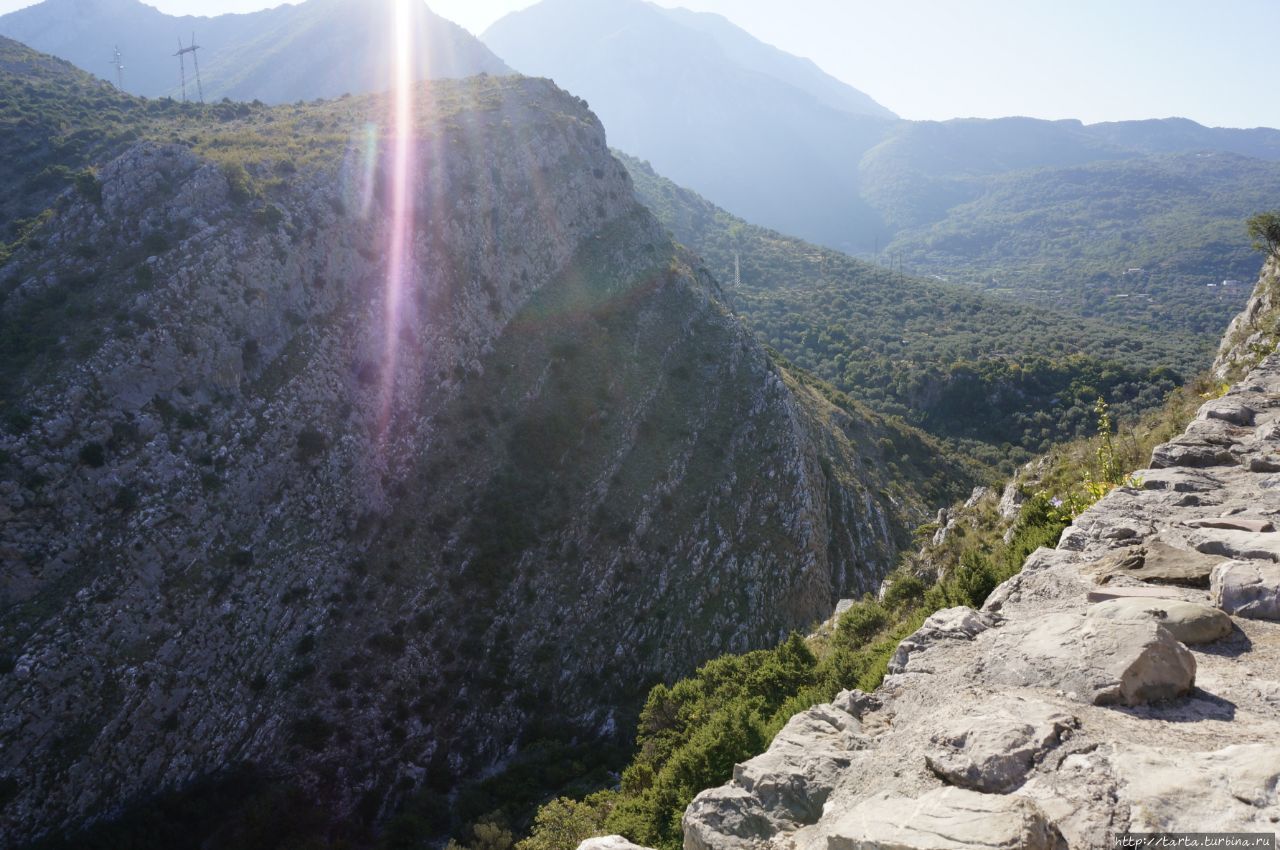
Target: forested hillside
1149, 241
1002, 378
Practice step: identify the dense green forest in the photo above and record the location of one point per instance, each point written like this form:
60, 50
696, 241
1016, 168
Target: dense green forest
1001, 378
1145, 241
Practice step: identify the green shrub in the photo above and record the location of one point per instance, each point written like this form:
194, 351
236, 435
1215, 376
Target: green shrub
93, 455
155, 243
89, 186
566, 823
904, 590
240, 184
311, 444
269, 217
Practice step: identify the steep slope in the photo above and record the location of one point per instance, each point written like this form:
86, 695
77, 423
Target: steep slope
270, 505
315, 49
967, 366
710, 107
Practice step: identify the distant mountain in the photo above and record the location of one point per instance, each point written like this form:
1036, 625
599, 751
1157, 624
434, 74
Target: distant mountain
316, 49
1029, 207
763, 133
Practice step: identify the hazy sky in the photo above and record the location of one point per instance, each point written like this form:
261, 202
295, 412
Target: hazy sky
1097, 60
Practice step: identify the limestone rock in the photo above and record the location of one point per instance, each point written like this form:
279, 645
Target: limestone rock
724, 818
949, 624
1247, 589
945, 819
1240, 545
1011, 501
1229, 410
1189, 622
992, 751
1231, 790
856, 703
1102, 662
793, 778
609, 842
1193, 455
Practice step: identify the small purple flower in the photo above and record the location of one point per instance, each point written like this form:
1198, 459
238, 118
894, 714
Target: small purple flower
1056, 502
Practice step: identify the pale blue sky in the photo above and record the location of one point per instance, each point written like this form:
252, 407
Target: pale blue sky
1097, 60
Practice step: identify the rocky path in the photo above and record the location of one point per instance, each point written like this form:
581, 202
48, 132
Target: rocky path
1128, 681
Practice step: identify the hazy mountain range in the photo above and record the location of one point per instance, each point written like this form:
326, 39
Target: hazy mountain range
711, 107
321, 48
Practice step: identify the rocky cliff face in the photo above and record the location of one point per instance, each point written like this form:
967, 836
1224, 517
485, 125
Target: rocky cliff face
1253, 334
1126, 681
268, 502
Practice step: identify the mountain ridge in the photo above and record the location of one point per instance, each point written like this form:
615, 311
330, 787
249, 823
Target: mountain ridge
335, 46
223, 551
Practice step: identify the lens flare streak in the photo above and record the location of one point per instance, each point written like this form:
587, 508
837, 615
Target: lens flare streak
399, 251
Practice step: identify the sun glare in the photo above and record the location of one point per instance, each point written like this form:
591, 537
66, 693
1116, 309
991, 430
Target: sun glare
399, 248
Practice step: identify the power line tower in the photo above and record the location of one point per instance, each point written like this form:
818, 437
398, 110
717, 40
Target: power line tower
737, 271
117, 62
182, 61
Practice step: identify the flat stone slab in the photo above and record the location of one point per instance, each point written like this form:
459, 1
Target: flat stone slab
1234, 789
1190, 622
1257, 526
1247, 589
1121, 592
1156, 562
945, 819
1236, 545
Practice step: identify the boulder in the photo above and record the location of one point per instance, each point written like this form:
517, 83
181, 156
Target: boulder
993, 750
1190, 622
1011, 501
1247, 589
944, 819
1230, 411
1093, 660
